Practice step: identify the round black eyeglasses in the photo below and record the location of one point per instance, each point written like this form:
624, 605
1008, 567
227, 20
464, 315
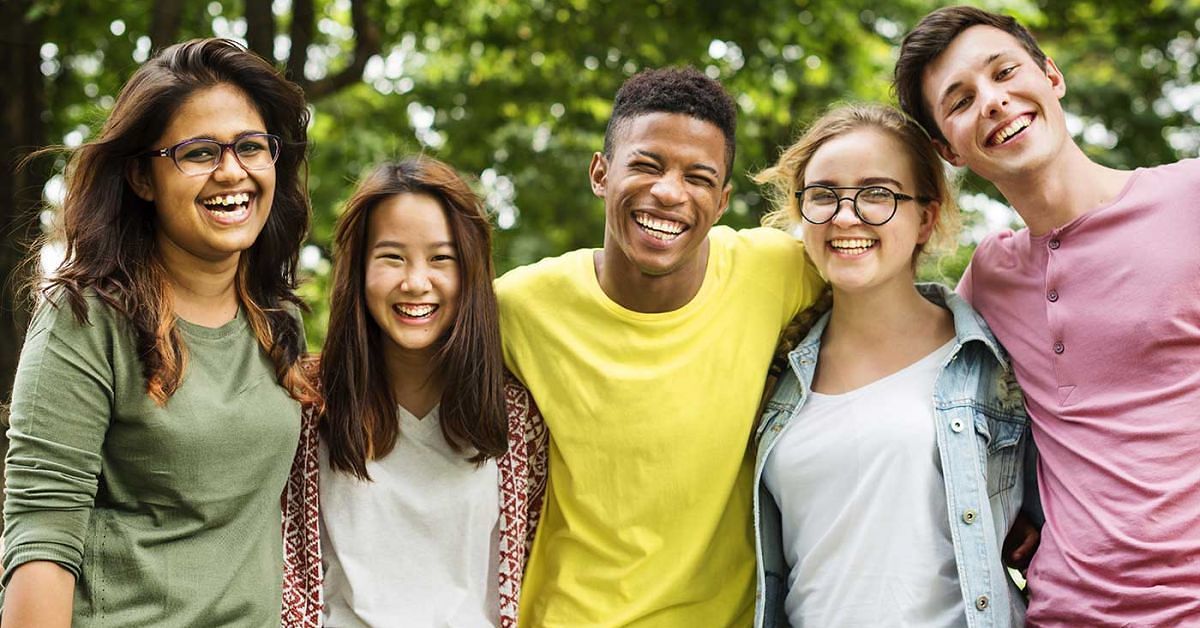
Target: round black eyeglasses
199, 156
873, 204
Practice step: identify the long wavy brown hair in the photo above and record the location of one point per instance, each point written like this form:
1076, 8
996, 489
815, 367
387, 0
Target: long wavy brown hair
108, 231
360, 422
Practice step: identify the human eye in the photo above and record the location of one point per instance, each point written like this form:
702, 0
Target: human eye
876, 195
644, 166
443, 257
820, 196
959, 103
250, 146
200, 152
1006, 72
699, 179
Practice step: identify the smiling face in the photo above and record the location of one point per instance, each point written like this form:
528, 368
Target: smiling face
999, 111
663, 189
851, 255
412, 274
208, 218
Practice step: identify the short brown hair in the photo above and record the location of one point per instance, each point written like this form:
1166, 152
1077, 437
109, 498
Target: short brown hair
930, 38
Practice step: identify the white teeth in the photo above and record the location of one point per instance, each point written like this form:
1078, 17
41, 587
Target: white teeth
852, 245
658, 227
226, 200
415, 311
1012, 129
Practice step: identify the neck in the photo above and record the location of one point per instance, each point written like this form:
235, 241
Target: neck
882, 316
626, 284
415, 382
202, 292
1069, 187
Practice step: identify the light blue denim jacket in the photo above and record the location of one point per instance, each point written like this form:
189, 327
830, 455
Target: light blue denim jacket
982, 437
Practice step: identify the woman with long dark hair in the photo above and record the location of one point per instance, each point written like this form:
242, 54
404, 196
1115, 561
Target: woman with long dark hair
156, 406
432, 464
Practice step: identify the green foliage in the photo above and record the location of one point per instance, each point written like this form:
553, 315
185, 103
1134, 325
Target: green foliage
516, 93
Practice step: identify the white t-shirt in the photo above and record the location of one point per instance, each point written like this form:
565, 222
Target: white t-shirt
859, 485
418, 545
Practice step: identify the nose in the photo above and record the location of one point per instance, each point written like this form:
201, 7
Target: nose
994, 100
228, 167
668, 189
415, 280
845, 216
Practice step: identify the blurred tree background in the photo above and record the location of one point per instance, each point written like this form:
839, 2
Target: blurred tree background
515, 93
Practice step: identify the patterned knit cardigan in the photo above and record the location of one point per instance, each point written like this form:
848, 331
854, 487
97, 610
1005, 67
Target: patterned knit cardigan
522, 472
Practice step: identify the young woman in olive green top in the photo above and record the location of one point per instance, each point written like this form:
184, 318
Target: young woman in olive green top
156, 408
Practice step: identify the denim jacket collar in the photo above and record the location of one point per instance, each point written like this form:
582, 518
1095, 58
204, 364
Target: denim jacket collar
968, 327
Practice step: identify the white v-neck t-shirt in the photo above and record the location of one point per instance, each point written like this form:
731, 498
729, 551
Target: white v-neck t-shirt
418, 545
859, 485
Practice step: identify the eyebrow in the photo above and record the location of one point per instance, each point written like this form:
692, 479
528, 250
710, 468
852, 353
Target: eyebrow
659, 158
956, 84
237, 136
864, 182
383, 244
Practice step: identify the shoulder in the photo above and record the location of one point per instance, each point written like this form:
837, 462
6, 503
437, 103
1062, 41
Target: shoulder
543, 285
1166, 181
765, 242
1001, 248
551, 269
82, 314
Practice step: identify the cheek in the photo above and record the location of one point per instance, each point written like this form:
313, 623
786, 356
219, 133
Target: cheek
450, 286
378, 284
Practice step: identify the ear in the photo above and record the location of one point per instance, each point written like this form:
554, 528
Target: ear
1057, 81
598, 174
139, 180
724, 203
929, 219
947, 153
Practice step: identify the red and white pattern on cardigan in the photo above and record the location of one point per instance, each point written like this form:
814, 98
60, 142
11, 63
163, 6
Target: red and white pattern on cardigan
522, 472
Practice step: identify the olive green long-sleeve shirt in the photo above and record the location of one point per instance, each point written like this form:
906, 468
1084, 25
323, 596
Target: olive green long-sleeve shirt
168, 516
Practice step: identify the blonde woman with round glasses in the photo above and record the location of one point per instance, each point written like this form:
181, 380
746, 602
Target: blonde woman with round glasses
890, 451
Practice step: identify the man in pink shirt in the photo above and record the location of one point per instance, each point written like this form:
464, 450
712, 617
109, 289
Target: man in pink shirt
1098, 302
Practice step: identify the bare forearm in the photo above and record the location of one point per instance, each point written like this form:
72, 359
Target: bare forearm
41, 594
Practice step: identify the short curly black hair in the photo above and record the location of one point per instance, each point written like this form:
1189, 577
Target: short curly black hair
683, 90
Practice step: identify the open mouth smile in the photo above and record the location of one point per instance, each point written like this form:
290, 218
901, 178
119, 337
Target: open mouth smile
228, 208
659, 228
852, 246
1010, 130
419, 311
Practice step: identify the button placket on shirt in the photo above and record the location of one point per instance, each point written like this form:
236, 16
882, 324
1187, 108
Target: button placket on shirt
1052, 294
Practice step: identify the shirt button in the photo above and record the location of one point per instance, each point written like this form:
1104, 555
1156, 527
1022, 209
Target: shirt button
981, 602
1059, 348
1054, 244
956, 425
1052, 295
969, 516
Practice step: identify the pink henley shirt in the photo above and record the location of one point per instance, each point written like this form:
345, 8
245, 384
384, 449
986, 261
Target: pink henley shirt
1102, 319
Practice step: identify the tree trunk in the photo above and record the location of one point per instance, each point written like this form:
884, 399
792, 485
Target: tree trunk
165, 20
21, 105
260, 28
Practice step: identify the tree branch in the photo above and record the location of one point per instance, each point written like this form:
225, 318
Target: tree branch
367, 42
260, 28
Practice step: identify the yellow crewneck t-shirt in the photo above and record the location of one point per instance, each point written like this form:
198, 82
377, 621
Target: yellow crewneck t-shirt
647, 518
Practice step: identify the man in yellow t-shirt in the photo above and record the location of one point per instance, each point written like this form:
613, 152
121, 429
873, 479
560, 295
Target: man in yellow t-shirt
647, 358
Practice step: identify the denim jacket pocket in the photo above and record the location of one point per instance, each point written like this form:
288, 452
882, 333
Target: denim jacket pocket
1000, 434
